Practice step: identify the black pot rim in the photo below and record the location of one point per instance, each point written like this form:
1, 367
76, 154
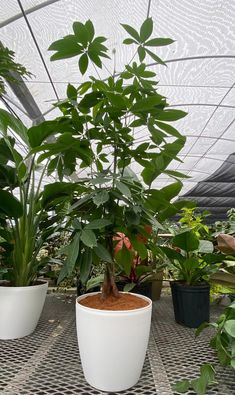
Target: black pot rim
183, 285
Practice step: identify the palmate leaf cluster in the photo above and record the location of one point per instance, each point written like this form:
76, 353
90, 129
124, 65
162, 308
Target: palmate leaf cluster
96, 137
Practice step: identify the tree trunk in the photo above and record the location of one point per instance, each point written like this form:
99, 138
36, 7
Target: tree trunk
109, 287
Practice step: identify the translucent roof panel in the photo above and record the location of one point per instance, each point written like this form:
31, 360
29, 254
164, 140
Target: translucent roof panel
199, 77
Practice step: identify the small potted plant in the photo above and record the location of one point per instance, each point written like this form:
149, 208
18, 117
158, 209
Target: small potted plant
24, 223
144, 272
101, 120
193, 261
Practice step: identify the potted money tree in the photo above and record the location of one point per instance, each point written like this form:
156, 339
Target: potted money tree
102, 139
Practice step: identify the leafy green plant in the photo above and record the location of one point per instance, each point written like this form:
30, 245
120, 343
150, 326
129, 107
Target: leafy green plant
97, 136
200, 384
193, 259
193, 220
24, 223
224, 339
225, 227
7, 66
223, 342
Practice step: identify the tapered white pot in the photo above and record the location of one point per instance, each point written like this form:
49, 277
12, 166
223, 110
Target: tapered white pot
20, 309
112, 344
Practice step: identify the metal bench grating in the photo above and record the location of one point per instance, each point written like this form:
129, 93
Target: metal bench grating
48, 363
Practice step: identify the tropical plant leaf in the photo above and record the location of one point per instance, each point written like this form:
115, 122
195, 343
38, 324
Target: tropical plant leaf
158, 42
85, 265
103, 253
88, 237
10, 205
130, 30
146, 29
187, 241
98, 223
181, 386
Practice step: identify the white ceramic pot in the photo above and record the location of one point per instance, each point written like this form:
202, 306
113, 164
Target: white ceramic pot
112, 344
20, 309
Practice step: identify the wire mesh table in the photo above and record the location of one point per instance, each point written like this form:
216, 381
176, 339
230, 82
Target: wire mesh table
47, 362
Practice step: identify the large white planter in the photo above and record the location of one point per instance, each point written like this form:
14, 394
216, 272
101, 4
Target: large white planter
20, 309
112, 344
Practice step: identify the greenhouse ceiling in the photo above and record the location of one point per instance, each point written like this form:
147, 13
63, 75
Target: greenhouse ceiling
199, 77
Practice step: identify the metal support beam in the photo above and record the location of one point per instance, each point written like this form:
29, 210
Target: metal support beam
28, 11
25, 97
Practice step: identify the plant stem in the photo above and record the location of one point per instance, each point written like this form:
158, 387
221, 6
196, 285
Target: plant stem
109, 287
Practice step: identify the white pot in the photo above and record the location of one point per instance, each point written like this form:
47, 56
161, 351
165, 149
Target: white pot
112, 344
20, 309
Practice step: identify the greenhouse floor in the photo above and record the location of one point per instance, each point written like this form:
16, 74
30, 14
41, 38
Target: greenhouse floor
47, 362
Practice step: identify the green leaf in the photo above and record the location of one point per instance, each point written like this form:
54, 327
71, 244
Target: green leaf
83, 88
83, 63
187, 241
123, 188
85, 265
229, 326
116, 100
67, 47
141, 53
208, 373
159, 42
55, 190
128, 287
37, 134
201, 328
7, 120
94, 282
101, 198
81, 33
103, 253
76, 224
95, 58
146, 29
10, 205
181, 386
172, 190
124, 258
98, 224
88, 238
146, 104
155, 57
71, 92
129, 41
90, 30
139, 247
72, 251
90, 100
171, 115
176, 174
169, 129
199, 385
131, 31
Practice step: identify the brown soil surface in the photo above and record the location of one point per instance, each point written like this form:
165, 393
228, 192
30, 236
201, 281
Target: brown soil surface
124, 302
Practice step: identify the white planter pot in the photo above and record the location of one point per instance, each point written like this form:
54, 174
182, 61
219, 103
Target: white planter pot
112, 344
20, 309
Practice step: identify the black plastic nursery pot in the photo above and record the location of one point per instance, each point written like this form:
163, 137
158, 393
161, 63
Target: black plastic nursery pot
191, 303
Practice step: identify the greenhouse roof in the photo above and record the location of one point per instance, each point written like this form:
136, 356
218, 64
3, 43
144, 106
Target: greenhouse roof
199, 77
